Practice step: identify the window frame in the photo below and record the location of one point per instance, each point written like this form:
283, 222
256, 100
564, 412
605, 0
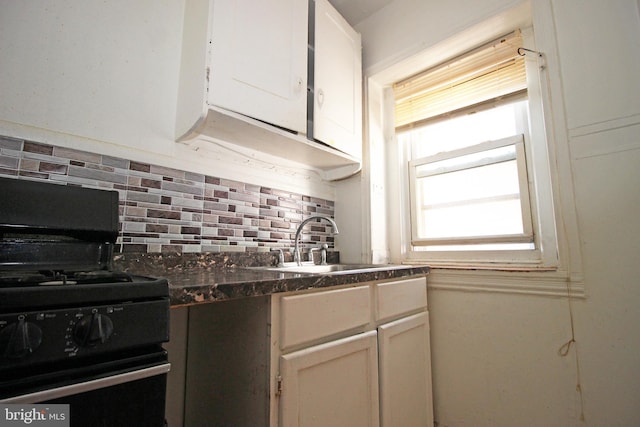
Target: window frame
545, 255
559, 273
523, 185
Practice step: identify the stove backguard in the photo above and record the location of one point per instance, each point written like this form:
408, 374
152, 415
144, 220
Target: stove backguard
46, 226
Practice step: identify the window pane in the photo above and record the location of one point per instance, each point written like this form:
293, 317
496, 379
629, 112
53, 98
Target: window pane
481, 201
478, 219
464, 131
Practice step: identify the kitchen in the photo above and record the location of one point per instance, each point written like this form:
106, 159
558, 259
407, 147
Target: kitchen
87, 80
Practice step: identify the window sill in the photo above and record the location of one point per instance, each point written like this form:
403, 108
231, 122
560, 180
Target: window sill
556, 283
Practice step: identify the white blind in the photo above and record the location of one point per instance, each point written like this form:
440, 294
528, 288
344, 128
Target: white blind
488, 72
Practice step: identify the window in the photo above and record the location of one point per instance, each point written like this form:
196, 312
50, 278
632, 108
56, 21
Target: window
475, 195
471, 128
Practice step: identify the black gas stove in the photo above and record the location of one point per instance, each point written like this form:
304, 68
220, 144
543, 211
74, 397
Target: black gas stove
67, 319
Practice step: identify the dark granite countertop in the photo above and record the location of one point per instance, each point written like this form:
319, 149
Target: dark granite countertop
210, 277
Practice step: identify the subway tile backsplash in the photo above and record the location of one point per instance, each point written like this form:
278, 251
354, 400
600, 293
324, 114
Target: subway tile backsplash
169, 210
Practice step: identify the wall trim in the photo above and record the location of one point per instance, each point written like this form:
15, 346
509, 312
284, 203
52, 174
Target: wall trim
549, 284
605, 126
621, 137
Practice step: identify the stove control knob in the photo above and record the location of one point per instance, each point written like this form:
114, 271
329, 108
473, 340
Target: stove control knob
92, 330
20, 339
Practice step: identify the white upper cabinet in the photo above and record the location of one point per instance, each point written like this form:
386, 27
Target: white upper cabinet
244, 80
258, 63
337, 81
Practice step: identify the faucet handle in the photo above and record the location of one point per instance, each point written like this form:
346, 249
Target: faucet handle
311, 251
323, 254
280, 256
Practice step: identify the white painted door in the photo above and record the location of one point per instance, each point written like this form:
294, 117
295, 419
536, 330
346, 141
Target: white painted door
405, 372
258, 60
337, 106
333, 384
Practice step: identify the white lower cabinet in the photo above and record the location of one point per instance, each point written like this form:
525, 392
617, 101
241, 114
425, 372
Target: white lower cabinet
361, 356
354, 356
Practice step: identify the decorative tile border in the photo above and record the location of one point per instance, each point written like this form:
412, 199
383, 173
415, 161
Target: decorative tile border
169, 210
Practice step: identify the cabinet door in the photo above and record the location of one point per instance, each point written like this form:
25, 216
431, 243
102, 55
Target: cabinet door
333, 384
405, 372
258, 60
337, 107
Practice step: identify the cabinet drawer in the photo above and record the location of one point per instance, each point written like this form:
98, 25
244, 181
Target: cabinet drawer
396, 298
309, 317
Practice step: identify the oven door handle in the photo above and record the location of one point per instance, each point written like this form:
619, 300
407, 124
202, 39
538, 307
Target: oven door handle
90, 385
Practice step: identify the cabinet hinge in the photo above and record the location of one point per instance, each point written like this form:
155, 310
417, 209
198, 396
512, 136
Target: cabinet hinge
278, 385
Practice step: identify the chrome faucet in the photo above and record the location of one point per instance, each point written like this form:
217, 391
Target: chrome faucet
296, 250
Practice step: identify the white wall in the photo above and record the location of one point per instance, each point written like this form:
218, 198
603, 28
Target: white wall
600, 54
495, 356
102, 76
406, 27
362, 238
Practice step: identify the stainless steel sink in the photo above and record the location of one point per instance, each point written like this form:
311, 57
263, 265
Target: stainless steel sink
333, 268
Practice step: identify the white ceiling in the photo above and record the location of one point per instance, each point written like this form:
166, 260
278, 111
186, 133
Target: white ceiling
355, 11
